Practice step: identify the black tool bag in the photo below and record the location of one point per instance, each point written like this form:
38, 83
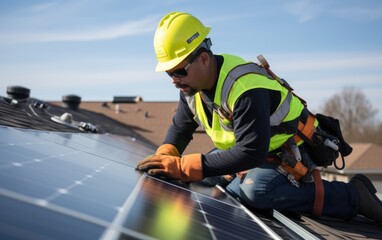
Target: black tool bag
327, 143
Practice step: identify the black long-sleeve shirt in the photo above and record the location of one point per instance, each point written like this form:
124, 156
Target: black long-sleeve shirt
251, 129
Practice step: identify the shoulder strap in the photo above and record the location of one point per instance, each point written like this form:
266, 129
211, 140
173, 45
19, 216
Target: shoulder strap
277, 117
235, 74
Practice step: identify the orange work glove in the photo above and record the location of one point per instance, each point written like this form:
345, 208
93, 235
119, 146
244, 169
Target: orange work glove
167, 149
187, 168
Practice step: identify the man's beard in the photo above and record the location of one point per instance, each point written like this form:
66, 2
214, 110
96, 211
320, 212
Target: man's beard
191, 91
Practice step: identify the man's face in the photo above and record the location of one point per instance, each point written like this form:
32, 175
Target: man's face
185, 75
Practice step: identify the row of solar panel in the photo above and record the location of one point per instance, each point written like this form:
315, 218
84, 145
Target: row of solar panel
84, 186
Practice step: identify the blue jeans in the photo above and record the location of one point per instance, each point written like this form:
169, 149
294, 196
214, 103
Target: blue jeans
265, 188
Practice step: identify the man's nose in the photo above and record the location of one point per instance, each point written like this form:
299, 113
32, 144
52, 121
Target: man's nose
176, 80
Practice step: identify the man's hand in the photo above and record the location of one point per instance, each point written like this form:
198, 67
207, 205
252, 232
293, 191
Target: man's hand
241, 175
187, 168
167, 149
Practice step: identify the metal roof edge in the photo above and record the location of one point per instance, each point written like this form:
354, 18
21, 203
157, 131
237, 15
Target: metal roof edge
293, 226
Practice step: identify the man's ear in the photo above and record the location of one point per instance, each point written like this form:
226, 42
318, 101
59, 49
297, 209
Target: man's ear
205, 57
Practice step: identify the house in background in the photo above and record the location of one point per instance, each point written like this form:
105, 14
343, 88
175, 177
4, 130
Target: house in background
365, 159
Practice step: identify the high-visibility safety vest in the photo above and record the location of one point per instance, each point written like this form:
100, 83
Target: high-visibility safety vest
236, 77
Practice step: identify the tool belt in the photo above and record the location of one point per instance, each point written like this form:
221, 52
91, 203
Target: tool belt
322, 144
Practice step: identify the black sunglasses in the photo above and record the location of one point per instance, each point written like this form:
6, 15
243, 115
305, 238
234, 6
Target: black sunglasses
180, 73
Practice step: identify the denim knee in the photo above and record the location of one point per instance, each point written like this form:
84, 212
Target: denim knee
254, 188
254, 193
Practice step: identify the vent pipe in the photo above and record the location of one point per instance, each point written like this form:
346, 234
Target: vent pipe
18, 92
71, 101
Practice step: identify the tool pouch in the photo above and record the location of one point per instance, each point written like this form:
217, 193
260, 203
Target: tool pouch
321, 154
327, 143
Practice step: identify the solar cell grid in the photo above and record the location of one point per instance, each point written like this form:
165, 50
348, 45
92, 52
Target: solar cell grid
181, 212
82, 186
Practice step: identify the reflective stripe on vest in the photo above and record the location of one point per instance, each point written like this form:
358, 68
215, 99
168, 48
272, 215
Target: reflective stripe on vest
277, 117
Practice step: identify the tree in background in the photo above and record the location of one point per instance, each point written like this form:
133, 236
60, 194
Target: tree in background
356, 115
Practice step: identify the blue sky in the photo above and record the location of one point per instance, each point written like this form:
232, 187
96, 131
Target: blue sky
100, 49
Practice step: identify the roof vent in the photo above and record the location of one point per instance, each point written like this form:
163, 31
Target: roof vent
64, 118
71, 101
18, 92
127, 99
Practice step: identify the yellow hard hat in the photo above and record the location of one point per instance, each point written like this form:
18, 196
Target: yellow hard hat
178, 34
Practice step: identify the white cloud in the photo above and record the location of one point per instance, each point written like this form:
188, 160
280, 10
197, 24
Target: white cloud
304, 10
42, 7
327, 61
122, 30
359, 13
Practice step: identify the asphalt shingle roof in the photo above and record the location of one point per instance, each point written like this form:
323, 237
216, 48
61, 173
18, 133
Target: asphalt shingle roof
150, 119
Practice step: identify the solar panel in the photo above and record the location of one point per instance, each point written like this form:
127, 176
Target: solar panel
56, 185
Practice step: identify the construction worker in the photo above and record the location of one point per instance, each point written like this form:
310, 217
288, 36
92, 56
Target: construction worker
245, 136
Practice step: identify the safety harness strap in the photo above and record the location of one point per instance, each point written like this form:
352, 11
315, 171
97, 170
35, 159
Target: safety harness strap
235, 74
305, 130
319, 199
